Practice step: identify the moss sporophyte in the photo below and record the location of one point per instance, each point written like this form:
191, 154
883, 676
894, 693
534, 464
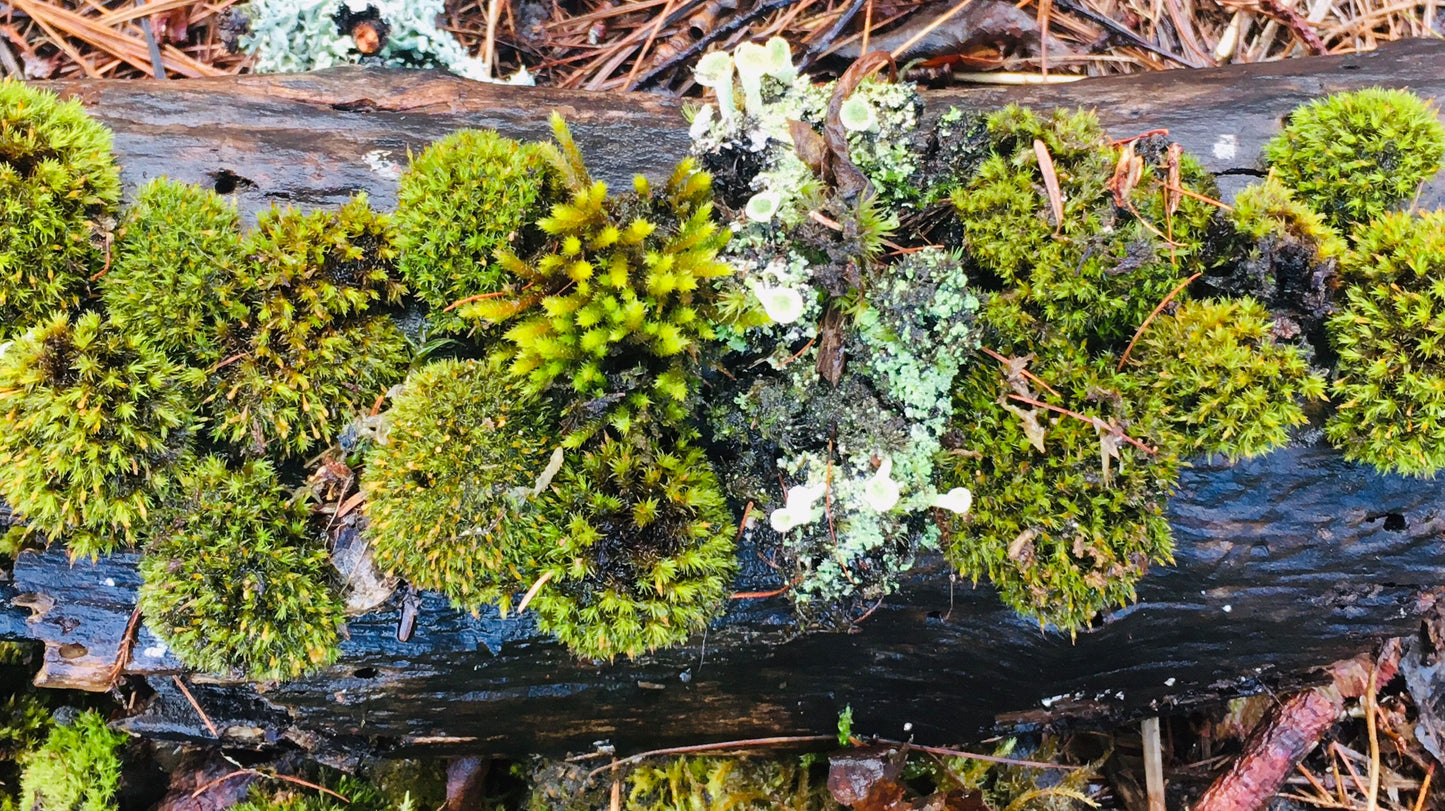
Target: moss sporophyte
837, 336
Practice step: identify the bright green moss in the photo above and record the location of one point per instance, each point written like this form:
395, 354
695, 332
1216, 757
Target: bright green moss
235, 583
448, 493
316, 348
618, 308
174, 276
76, 769
1222, 382
1097, 274
1067, 515
1354, 156
464, 198
640, 550
93, 423
59, 186
1389, 388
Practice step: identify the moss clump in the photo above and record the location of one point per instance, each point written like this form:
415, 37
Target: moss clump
448, 492
94, 424
58, 186
174, 277
1353, 156
1222, 382
76, 769
1390, 335
463, 199
619, 306
314, 349
360, 796
234, 583
1097, 274
1067, 514
639, 549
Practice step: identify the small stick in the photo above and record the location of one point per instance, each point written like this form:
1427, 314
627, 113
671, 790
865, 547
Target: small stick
712, 747
1025, 372
1094, 421
869, 612
196, 705
647, 43
825, 221
743, 524
758, 595
478, 297
1123, 359
1372, 798
286, 777
1424, 789
532, 592
228, 361
1200, 197
122, 656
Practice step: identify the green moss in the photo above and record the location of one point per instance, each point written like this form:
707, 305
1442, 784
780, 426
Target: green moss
76, 769
1390, 334
448, 493
1097, 274
464, 198
616, 310
286, 796
1067, 515
59, 186
94, 424
316, 348
727, 784
1222, 382
1353, 156
235, 583
174, 276
639, 549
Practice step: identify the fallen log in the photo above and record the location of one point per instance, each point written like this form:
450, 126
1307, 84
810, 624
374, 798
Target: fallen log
1283, 564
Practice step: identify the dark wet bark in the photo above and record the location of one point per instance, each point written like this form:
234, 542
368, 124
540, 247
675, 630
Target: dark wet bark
1283, 564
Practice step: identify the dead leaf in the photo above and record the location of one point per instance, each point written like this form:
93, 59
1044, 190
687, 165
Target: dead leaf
1032, 429
1127, 172
1110, 438
1017, 548
809, 145
1051, 183
1174, 194
831, 355
839, 171
867, 778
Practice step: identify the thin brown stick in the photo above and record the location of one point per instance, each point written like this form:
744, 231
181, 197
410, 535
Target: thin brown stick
1424, 789
743, 524
1124, 358
284, 777
748, 743
1372, 797
1025, 372
481, 297
758, 595
1008, 761
647, 43
186, 691
122, 655
1094, 421
1200, 197
228, 361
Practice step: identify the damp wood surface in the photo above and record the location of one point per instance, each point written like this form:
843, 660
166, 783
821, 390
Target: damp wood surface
1283, 564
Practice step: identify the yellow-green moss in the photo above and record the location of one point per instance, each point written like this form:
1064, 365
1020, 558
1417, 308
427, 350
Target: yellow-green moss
639, 546
59, 187
464, 198
76, 769
235, 582
1353, 156
1389, 388
449, 491
94, 422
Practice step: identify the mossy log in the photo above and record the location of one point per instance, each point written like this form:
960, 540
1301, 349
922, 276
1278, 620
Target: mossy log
1283, 563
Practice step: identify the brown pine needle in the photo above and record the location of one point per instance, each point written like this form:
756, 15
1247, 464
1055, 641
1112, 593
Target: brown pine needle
122, 656
532, 592
758, 595
284, 777
1124, 358
186, 691
749, 743
1094, 421
1025, 372
1200, 197
1051, 183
